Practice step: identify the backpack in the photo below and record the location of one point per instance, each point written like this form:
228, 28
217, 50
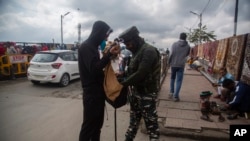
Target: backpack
116, 94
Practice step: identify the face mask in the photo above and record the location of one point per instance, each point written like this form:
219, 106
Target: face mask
103, 45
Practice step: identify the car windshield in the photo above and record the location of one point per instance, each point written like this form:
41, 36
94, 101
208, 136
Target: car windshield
44, 57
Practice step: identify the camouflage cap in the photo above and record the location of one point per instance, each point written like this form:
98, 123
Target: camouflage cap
128, 34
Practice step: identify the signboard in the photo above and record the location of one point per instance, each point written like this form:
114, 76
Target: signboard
18, 59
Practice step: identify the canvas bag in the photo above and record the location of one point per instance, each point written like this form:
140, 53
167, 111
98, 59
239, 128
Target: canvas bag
116, 94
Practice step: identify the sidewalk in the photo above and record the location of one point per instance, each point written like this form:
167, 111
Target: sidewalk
182, 119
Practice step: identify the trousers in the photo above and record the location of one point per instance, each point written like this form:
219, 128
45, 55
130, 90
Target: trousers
143, 106
93, 118
176, 77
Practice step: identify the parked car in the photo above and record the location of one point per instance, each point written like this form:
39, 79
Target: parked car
55, 66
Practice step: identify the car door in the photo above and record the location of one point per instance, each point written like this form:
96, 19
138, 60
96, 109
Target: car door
71, 64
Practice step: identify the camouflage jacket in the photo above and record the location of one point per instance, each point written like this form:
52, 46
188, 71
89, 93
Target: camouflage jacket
143, 71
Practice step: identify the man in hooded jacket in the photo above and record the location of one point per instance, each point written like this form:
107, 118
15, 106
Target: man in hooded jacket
92, 76
177, 59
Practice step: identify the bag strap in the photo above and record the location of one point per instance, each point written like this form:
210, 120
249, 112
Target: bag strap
115, 126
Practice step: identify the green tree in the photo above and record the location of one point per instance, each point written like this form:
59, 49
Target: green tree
195, 35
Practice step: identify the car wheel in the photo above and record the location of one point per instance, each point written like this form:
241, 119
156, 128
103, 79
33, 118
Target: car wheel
64, 80
35, 82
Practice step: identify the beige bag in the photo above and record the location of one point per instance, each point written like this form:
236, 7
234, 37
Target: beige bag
116, 94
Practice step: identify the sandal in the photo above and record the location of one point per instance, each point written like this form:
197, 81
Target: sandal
206, 118
221, 118
223, 108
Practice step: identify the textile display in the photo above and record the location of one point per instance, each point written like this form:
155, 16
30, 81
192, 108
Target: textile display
206, 47
212, 50
210, 55
194, 51
245, 76
200, 51
220, 58
235, 55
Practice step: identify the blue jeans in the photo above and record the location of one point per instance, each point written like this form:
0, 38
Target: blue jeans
176, 72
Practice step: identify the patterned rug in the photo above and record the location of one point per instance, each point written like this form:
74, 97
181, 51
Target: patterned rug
245, 77
212, 50
211, 56
220, 58
200, 51
206, 47
235, 55
194, 51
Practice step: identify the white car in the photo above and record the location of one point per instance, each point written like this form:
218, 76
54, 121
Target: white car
55, 66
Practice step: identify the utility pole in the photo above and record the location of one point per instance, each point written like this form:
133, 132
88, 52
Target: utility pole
62, 16
235, 17
79, 30
79, 33
200, 24
53, 43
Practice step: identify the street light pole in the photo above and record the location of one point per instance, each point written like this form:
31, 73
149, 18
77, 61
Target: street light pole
79, 30
235, 17
62, 16
200, 24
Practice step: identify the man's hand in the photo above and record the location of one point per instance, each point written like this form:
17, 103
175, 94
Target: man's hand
115, 50
227, 106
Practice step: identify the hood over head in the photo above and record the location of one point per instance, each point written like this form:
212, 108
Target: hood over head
100, 31
129, 34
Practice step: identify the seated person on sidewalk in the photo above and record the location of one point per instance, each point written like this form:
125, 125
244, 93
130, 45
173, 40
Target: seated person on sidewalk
190, 62
241, 101
222, 92
196, 64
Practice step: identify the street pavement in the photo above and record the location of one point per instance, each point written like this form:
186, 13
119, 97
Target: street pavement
38, 113
49, 113
182, 119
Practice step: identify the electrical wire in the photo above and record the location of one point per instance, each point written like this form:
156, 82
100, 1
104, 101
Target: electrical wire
201, 13
205, 7
218, 11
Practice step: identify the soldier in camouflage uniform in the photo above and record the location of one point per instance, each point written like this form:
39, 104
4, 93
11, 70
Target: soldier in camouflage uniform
143, 77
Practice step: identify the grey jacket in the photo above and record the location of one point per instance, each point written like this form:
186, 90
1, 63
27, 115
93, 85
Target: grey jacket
178, 54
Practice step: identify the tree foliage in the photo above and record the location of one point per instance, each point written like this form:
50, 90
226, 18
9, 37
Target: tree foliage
195, 35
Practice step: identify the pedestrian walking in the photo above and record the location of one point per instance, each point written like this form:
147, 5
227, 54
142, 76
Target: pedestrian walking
167, 52
178, 57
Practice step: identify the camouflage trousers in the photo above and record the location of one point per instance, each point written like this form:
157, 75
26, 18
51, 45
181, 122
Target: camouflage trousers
143, 106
